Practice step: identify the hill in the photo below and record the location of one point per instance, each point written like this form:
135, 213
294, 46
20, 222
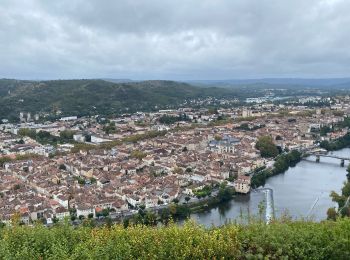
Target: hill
90, 97
279, 240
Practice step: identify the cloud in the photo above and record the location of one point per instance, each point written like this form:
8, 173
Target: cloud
184, 39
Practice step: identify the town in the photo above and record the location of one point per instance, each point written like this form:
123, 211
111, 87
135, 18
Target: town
93, 167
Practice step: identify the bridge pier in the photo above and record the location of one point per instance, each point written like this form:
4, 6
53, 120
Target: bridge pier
342, 162
317, 158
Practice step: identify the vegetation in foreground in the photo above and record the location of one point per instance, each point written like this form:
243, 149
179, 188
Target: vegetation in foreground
283, 239
342, 199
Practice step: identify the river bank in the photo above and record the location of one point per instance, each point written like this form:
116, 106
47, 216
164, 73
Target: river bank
281, 164
302, 191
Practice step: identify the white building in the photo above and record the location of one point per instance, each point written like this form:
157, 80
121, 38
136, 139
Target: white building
69, 118
98, 140
85, 210
79, 138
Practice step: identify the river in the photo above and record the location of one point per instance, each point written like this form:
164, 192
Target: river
302, 191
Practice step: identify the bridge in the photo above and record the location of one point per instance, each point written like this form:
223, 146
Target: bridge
341, 158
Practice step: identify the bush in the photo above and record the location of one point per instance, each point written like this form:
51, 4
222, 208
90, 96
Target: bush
280, 240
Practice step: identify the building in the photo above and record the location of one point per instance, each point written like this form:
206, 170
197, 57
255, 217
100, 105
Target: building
85, 210
69, 118
242, 184
246, 112
225, 145
79, 138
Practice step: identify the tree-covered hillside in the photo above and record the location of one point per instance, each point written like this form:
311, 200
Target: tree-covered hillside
90, 97
279, 240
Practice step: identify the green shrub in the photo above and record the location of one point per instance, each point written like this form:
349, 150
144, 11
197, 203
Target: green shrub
283, 239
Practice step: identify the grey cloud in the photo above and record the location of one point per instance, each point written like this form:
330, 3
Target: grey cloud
182, 39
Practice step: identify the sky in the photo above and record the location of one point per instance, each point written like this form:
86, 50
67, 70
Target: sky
177, 39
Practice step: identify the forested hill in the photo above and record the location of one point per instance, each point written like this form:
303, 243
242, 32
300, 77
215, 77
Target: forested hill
90, 97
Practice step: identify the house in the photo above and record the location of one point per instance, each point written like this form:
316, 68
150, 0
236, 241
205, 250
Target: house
133, 200
85, 210
119, 205
151, 201
62, 199
242, 184
79, 138
61, 213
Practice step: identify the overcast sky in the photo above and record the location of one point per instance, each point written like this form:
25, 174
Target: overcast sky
177, 39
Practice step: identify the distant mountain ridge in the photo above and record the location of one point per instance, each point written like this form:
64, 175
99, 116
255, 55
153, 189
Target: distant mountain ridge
95, 96
305, 82
84, 97
119, 80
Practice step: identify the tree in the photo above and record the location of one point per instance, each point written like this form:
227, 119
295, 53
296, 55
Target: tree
16, 219
55, 220
67, 135
348, 174
142, 210
178, 170
338, 199
217, 137
105, 212
267, 147
27, 132
126, 222
188, 169
110, 128
91, 223
346, 189
331, 214
325, 130
205, 191
137, 154
2, 225
337, 113
150, 219
213, 110
109, 222
165, 216
225, 193
4, 160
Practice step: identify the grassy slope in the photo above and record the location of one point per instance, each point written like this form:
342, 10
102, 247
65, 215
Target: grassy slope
296, 240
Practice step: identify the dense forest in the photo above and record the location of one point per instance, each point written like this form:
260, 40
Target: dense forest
91, 97
282, 239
